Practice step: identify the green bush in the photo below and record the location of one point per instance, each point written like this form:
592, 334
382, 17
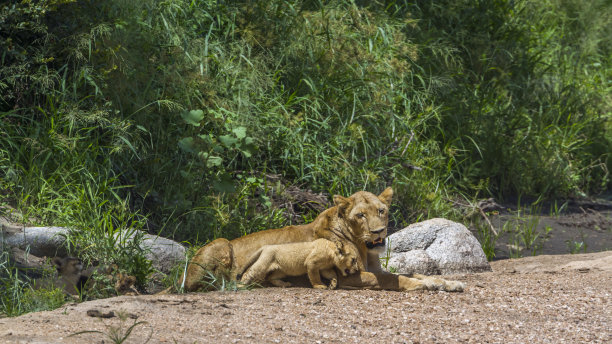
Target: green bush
525, 106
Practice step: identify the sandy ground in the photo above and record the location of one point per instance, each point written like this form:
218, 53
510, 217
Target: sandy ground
543, 299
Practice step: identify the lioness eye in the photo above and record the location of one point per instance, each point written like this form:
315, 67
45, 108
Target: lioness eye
361, 215
381, 211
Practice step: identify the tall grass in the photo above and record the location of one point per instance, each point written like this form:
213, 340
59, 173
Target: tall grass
528, 101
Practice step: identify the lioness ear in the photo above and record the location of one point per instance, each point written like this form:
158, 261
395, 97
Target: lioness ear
339, 246
386, 196
343, 203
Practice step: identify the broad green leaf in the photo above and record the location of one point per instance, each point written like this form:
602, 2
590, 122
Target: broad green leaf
193, 117
214, 161
240, 132
266, 200
228, 140
224, 184
187, 144
203, 156
246, 153
218, 149
206, 138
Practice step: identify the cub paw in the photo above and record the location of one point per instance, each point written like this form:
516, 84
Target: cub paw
279, 283
333, 284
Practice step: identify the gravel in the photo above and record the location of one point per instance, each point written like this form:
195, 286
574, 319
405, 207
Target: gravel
533, 300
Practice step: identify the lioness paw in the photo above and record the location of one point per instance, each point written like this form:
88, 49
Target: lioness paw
454, 286
319, 286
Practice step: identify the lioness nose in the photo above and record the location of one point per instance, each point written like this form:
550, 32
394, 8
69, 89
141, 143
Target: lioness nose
378, 230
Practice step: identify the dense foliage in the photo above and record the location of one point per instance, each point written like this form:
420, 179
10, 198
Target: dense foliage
188, 117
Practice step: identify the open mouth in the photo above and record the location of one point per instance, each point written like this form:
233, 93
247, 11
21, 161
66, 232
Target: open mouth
376, 243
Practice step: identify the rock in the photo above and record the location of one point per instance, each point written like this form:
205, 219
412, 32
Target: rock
39, 241
163, 253
436, 246
23, 260
414, 262
51, 242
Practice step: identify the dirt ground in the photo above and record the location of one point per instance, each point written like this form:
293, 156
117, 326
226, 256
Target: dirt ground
554, 297
542, 299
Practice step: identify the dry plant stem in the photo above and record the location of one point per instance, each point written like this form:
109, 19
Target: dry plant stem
482, 213
486, 218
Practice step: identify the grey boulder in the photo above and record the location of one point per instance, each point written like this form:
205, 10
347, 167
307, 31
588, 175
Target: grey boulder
38, 241
436, 246
51, 242
163, 253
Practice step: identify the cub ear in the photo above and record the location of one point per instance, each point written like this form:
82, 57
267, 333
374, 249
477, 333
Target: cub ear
342, 203
58, 262
386, 196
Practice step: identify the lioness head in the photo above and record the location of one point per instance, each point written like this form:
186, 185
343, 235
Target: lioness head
367, 215
347, 259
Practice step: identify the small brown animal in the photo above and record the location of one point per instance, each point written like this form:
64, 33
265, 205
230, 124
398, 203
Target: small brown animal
73, 279
125, 284
316, 258
68, 276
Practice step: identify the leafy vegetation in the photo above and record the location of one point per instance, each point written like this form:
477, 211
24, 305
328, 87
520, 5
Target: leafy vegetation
188, 118
17, 295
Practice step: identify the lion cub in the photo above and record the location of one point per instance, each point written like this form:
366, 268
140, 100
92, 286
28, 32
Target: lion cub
316, 258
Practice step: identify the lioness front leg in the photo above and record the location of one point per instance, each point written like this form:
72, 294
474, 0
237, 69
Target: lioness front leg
332, 276
388, 281
434, 283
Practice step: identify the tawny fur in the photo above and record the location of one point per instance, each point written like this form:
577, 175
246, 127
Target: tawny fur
361, 218
69, 270
315, 258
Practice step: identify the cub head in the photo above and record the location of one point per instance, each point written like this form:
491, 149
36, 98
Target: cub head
367, 216
347, 258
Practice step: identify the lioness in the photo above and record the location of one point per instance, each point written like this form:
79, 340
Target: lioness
316, 258
361, 219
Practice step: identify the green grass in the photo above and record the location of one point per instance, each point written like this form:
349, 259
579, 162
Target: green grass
17, 295
117, 333
487, 238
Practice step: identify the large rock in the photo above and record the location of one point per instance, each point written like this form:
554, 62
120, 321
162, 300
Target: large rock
413, 262
436, 246
51, 242
38, 241
163, 253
